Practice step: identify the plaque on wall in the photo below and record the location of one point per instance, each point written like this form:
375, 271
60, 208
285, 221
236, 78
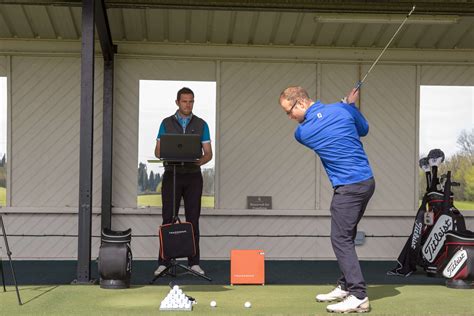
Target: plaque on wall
259, 202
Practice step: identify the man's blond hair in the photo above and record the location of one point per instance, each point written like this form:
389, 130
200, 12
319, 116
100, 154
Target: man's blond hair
293, 93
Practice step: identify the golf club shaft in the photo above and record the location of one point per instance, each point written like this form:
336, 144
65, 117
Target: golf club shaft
359, 84
428, 180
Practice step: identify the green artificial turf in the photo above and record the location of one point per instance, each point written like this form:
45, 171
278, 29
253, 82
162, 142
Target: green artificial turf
266, 300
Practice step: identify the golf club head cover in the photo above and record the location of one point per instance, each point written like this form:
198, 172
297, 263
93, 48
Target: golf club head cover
435, 157
425, 164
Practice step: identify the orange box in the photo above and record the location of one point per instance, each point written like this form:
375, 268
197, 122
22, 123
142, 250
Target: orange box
247, 267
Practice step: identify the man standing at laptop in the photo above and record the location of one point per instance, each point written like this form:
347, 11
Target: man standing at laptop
188, 176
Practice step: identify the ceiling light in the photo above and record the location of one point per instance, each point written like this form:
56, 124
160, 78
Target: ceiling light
385, 18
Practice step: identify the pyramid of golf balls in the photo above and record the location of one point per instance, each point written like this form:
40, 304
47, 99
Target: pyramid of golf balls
176, 300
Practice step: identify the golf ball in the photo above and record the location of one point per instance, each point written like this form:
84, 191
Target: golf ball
248, 304
213, 304
176, 288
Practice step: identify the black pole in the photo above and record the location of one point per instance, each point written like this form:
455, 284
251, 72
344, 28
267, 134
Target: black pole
107, 142
3, 276
9, 254
86, 142
108, 52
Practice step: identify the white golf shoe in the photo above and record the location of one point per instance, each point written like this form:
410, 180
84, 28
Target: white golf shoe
197, 268
350, 304
335, 295
160, 269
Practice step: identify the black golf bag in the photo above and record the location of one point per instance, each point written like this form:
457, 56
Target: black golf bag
115, 259
456, 262
436, 217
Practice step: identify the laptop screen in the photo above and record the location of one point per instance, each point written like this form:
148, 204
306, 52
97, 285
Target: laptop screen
180, 147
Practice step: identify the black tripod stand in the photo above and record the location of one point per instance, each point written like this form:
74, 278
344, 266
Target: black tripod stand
9, 254
171, 269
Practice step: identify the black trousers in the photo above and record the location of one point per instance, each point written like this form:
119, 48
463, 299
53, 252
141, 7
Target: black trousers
188, 187
347, 208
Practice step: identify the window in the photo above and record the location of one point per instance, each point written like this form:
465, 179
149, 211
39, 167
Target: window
3, 141
157, 101
447, 123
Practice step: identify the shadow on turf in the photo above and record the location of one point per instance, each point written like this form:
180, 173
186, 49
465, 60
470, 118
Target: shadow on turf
382, 291
205, 288
38, 288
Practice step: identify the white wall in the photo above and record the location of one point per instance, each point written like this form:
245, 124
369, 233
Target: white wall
3, 66
45, 132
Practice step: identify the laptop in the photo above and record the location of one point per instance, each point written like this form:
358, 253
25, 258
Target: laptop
180, 147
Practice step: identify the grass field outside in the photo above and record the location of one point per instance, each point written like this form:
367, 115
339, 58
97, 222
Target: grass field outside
3, 196
266, 300
155, 200
461, 205
464, 205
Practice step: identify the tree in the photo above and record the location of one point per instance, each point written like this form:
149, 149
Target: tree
469, 180
466, 142
142, 177
151, 182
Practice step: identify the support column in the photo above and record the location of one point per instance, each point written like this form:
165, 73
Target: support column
107, 142
86, 142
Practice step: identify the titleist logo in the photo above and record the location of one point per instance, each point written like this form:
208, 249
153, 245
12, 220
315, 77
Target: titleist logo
416, 235
455, 263
177, 232
435, 240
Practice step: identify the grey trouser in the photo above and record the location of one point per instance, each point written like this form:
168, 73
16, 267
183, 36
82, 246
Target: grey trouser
347, 207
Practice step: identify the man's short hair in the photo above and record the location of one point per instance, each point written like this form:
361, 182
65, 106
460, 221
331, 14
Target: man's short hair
294, 93
184, 91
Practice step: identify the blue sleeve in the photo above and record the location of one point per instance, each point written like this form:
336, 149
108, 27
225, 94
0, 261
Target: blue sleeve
361, 123
206, 135
161, 131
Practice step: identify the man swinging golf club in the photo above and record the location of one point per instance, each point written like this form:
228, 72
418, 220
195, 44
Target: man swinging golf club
333, 131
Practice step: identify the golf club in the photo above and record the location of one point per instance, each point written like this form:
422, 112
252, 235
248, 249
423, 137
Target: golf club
359, 84
435, 158
425, 166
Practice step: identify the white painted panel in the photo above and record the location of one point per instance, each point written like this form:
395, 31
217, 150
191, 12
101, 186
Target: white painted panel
128, 73
3, 66
45, 131
388, 101
47, 236
54, 236
447, 75
258, 153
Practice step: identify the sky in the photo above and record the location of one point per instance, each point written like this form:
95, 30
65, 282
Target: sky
444, 112
157, 101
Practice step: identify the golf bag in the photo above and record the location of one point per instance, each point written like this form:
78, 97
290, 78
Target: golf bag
177, 240
435, 218
115, 259
456, 261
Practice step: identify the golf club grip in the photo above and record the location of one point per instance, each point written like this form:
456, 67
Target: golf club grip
434, 177
428, 180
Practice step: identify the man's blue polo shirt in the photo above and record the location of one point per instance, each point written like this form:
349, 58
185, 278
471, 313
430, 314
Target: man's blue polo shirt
333, 131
